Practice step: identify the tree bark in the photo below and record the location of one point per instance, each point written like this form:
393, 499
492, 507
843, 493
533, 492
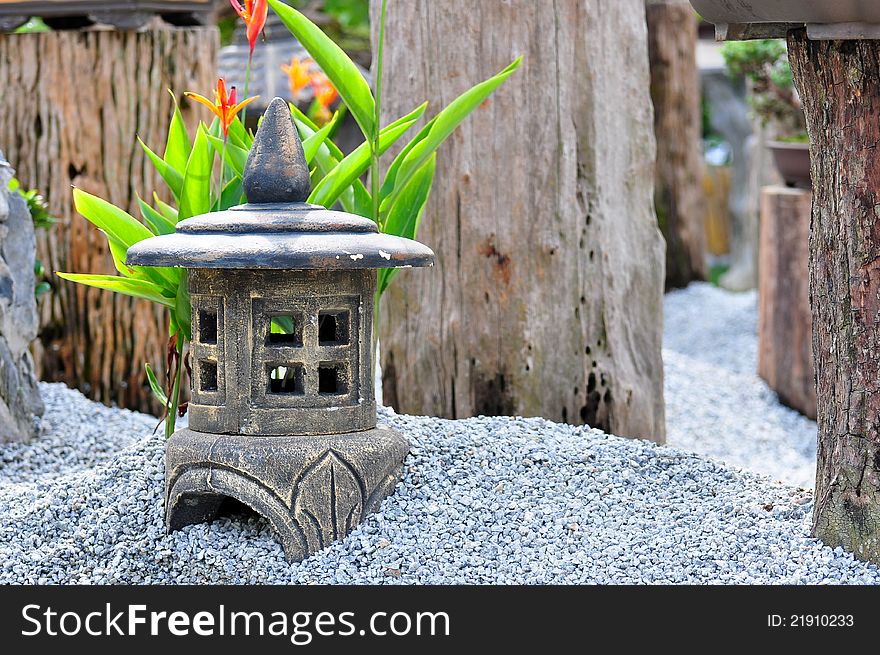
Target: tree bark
785, 345
73, 103
547, 297
675, 92
839, 83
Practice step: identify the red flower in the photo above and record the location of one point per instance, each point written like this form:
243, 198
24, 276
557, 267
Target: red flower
224, 105
253, 13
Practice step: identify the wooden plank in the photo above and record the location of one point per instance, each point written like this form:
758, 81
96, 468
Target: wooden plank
785, 342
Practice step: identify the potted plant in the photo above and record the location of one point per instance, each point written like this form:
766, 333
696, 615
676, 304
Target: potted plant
764, 64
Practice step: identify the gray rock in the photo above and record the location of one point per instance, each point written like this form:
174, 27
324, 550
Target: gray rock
20, 402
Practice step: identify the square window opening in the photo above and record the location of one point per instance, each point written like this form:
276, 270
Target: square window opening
332, 380
207, 326
286, 379
207, 376
285, 330
333, 328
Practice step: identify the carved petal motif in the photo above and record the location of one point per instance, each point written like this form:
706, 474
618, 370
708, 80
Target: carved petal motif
329, 500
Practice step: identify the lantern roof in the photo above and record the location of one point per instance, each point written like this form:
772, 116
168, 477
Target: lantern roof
277, 228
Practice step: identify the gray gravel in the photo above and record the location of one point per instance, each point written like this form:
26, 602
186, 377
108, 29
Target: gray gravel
484, 500
714, 326
716, 404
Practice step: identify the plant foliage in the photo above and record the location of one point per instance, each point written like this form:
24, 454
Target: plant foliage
396, 203
764, 64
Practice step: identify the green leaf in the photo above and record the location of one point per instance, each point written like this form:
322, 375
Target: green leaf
238, 134
356, 199
157, 223
385, 277
236, 157
171, 175
177, 147
155, 386
165, 278
183, 307
414, 115
312, 143
391, 174
195, 196
282, 325
232, 195
325, 159
127, 286
300, 117
345, 76
447, 120
117, 250
118, 224
405, 214
165, 209
42, 288
359, 200
354, 165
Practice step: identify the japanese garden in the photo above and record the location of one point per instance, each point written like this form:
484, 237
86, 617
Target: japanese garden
439, 292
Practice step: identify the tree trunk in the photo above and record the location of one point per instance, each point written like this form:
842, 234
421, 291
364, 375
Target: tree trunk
675, 91
839, 83
785, 345
72, 104
547, 297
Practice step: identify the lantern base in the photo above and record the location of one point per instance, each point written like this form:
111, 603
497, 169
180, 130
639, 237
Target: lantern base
312, 489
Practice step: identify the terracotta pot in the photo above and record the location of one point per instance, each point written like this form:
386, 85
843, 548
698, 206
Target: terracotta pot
748, 19
793, 163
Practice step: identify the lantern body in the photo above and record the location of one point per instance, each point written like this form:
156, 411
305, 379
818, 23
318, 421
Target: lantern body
250, 378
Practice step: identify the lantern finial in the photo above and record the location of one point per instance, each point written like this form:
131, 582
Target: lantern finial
276, 169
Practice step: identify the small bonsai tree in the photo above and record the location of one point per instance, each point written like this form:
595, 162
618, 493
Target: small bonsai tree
764, 64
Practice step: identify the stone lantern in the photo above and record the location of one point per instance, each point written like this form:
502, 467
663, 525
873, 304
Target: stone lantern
282, 421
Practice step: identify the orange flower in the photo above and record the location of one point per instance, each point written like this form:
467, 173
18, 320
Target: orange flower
325, 92
254, 14
224, 105
321, 116
297, 75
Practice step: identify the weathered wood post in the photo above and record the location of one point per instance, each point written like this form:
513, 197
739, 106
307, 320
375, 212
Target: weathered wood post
678, 184
785, 344
835, 57
547, 299
73, 103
